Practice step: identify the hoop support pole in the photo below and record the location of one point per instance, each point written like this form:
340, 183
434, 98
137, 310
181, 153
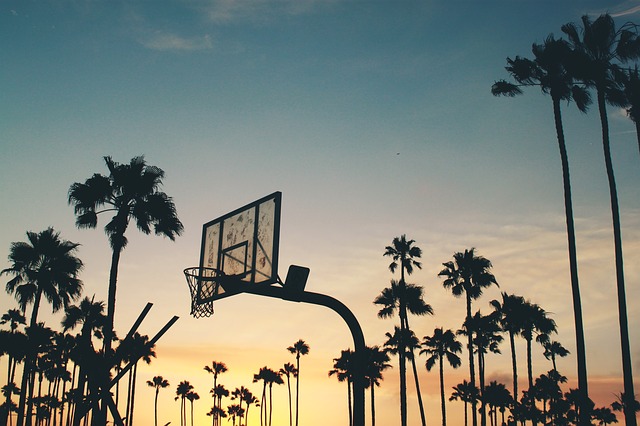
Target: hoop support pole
356, 332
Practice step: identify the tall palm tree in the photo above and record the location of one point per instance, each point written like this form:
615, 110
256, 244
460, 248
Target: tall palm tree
183, 388
263, 374
249, 399
218, 393
46, 266
130, 192
465, 393
630, 96
537, 323
511, 316
132, 350
468, 274
377, 361
343, 370
192, 396
289, 370
158, 382
548, 70
600, 47
216, 369
298, 348
411, 297
404, 253
441, 345
486, 338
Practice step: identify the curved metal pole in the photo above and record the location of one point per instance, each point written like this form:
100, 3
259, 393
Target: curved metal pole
348, 317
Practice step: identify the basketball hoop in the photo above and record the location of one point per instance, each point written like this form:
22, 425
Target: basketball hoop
203, 284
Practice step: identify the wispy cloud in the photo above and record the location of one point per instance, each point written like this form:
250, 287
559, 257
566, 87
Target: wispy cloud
168, 41
626, 12
222, 11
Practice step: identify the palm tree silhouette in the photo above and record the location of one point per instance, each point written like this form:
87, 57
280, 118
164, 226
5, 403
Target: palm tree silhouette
248, 399
289, 370
158, 382
45, 266
404, 254
14, 342
442, 344
131, 192
377, 361
537, 322
411, 296
549, 71
553, 349
263, 374
183, 388
298, 348
132, 350
599, 45
511, 316
218, 393
465, 393
192, 396
630, 96
486, 338
547, 389
343, 370
235, 411
497, 397
216, 369
468, 274
90, 315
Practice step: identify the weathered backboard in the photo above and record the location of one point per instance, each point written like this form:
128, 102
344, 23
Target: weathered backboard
243, 244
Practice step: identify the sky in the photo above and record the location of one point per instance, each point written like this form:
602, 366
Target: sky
374, 119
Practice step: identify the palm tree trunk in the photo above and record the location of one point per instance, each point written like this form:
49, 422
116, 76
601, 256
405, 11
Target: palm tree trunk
629, 414
512, 343
297, 385
133, 394
270, 402
350, 403
466, 417
155, 405
373, 404
483, 406
472, 372
637, 123
402, 313
573, 260
444, 412
290, 403
415, 375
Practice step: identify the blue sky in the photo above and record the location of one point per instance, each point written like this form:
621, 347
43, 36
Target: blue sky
373, 118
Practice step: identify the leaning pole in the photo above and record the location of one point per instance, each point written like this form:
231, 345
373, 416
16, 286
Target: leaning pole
347, 316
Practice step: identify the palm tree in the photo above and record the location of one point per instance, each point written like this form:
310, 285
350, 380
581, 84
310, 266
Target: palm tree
90, 315
486, 338
216, 369
441, 345
216, 413
184, 387
465, 393
45, 266
549, 71
604, 416
377, 361
553, 349
537, 322
289, 370
218, 393
263, 374
298, 348
468, 274
131, 191
248, 399
599, 46
235, 410
343, 370
13, 340
511, 316
158, 382
410, 296
192, 396
404, 253
497, 397
132, 350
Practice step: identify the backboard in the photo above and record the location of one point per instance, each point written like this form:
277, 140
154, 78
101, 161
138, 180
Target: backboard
243, 245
